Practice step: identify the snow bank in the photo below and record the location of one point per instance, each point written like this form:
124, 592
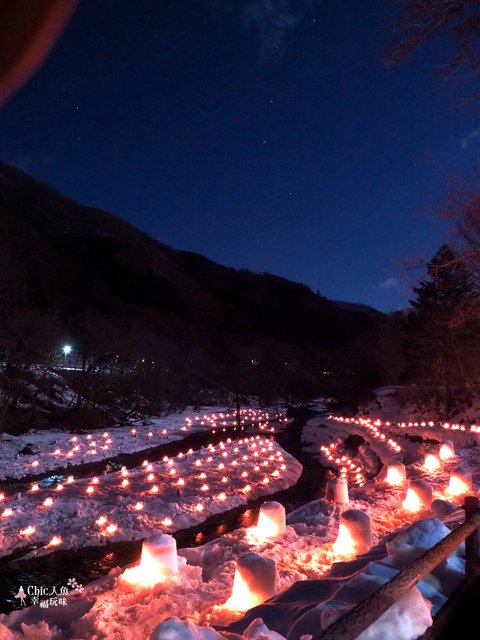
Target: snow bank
37, 452
168, 495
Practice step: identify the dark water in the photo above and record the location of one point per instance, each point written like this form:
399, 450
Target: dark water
86, 565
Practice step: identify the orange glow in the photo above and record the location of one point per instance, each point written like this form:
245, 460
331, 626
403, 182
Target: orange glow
55, 541
242, 598
28, 531
111, 528
6, 513
167, 522
154, 489
446, 451
101, 521
148, 573
271, 521
394, 477
47, 502
456, 486
344, 545
138, 506
90, 489
412, 501
34, 487
432, 462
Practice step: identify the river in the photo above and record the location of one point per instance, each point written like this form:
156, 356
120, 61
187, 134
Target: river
88, 564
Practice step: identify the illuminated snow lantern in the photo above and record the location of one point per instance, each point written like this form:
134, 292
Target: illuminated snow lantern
157, 562
396, 474
447, 450
354, 533
271, 520
460, 482
341, 491
419, 496
331, 490
432, 462
254, 582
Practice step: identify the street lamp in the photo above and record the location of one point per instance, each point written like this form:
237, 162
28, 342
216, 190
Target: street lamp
67, 349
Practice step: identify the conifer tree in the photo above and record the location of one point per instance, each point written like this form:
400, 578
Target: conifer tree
443, 330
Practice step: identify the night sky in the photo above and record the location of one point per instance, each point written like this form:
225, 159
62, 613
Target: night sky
261, 133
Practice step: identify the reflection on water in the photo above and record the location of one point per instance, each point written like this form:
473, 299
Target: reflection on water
248, 518
89, 564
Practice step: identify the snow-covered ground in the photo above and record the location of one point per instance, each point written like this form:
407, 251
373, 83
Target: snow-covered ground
47, 450
171, 494
317, 580
304, 555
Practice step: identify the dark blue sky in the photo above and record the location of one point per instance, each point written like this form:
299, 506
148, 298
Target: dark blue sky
261, 133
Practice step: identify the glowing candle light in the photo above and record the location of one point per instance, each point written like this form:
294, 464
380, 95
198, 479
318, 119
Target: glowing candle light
70, 480
354, 533
154, 489
432, 462
59, 487
254, 582
138, 506
47, 502
101, 521
151, 477
412, 501
460, 482
90, 490
167, 522
6, 513
28, 531
158, 562
111, 528
419, 495
125, 482
447, 450
34, 487
341, 491
271, 520
55, 541
396, 475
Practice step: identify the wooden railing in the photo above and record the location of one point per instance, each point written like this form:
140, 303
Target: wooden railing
364, 614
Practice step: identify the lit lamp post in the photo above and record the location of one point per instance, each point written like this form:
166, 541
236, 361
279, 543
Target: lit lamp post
67, 349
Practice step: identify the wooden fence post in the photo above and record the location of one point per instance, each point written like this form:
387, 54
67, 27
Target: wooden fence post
472, 542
